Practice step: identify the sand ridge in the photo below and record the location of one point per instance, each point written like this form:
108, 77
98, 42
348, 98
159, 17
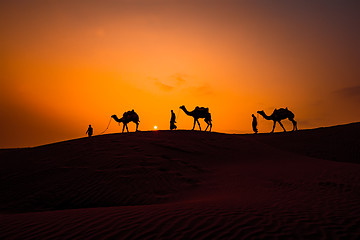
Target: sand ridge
185, 185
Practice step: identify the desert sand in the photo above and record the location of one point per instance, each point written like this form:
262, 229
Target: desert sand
185, 185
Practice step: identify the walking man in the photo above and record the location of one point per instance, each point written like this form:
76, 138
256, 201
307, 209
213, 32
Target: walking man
172, 121
254, 124
90, 130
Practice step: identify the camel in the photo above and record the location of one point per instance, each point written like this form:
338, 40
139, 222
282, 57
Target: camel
199, 113
278, 115
129, 116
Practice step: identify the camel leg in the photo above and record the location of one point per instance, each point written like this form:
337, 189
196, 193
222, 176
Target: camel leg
208, 125
137, 125
282, 126
194, 124
127, 129
273, 127
197, 120
294, 124
123, 127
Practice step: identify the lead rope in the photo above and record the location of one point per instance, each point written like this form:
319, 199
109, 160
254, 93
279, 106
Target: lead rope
106, 127
178, 114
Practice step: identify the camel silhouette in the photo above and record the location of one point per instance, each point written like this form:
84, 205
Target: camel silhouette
278, 115
199, 112
129, 116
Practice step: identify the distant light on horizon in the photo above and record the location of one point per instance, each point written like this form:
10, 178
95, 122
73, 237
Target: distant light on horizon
155, 127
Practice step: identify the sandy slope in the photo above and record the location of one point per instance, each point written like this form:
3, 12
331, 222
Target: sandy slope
185, 185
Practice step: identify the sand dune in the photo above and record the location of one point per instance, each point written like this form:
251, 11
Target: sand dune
185, 185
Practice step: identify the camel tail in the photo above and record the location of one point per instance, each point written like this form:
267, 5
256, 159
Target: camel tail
293, 115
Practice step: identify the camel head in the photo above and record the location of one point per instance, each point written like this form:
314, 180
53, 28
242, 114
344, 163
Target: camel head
182, 107
261, 112
117, 119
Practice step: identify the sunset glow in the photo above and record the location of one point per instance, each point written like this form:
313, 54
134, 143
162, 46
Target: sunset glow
68, 64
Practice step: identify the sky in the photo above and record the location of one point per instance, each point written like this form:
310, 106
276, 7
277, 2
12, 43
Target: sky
67, 64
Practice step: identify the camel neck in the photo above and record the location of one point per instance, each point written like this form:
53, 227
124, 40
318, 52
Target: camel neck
186, 111
116, 119
266, 116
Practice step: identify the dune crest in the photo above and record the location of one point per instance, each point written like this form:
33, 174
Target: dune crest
185, 185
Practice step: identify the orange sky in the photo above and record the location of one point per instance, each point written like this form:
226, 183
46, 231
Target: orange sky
67, 64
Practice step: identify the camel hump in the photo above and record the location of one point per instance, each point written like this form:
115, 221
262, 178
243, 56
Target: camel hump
129, 114
283, 112
202, 109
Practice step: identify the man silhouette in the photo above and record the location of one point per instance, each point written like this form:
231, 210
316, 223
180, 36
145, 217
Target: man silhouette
254, 124
90, 131
172, 121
